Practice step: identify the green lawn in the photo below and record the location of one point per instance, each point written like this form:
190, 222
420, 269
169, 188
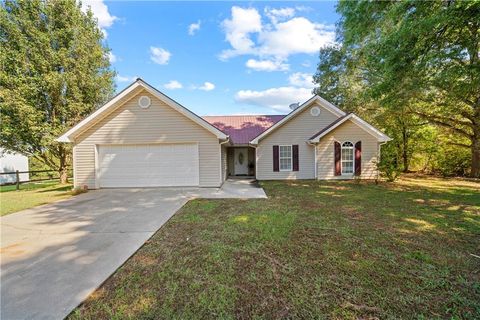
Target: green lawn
31, 195
329, 250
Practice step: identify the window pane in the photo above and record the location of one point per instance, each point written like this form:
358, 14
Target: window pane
285, 157
347, 154
347, 167
285, 164
285, 151
347, 157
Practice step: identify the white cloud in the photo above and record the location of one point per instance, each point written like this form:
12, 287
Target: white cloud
207, 86
278, 99
194, 27
299, 79
266, 65
159, 55
306, 64
100, 11
111, 57
279, 14
173, 84
120, 78
237, 31
285, 35
297, 35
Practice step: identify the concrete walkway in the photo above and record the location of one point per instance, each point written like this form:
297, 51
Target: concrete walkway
54, 256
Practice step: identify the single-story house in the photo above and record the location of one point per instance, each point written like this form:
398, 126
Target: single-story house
142, 138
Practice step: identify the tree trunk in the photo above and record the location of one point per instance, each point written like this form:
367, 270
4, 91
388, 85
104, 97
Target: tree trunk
62, 170
475, 169
405, 158
406, 167
63, 175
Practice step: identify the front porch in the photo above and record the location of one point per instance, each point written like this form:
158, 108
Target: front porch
241, 162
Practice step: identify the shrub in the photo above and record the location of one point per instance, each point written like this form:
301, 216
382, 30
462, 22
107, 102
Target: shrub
454, 161
389, 165
78, 190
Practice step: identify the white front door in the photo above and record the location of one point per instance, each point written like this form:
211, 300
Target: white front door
241, 161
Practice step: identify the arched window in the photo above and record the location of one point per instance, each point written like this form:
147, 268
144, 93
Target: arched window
347, 157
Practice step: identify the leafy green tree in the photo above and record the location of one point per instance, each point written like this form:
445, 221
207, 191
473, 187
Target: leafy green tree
332, 77
421, 56
340, 79
54, 70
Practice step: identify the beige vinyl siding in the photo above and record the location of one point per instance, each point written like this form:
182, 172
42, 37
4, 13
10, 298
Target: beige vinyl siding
224, 163
230, 164
348, 131
130, 124
295, 131
84, 165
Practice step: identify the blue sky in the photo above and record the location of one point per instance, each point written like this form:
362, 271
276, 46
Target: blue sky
219, 58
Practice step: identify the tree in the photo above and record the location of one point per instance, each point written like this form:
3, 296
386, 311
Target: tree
340, 79
421, 56
332, 77
54, 71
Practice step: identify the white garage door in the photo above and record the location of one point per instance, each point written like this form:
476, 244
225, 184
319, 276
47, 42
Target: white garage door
148, 165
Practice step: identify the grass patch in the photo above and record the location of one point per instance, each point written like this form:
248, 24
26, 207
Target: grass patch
28, 186
31, 195
340, 250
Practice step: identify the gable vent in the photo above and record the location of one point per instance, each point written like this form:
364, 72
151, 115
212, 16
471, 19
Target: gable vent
315, 111
144, 102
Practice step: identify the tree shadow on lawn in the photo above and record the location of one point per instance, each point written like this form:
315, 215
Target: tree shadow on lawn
313, 249
26, 187
428, 232
443, 210
57, 189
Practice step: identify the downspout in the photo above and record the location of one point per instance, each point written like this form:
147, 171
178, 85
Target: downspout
315, 155
254, 146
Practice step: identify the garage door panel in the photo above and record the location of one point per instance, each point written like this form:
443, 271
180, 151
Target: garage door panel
148, 165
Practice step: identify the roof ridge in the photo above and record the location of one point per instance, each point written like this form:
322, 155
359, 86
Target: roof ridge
246, 115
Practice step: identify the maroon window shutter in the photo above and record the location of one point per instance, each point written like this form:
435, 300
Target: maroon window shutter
295, 157
358, 158
338, 154
275, 159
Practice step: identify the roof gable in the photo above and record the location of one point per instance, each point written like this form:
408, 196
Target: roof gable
315, 99
355, 119
116, 102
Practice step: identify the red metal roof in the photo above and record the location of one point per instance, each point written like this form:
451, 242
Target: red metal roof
242, 129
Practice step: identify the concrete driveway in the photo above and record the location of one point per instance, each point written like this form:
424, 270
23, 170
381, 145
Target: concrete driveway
54, 256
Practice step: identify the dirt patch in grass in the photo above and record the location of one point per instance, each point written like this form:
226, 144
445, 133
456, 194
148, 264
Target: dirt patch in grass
336, 250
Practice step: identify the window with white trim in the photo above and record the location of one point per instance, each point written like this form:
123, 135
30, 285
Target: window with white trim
285, 158
347, 157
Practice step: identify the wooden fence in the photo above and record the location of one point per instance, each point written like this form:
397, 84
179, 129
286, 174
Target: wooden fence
43, 175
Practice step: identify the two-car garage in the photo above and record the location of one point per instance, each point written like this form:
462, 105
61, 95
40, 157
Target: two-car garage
142, 138
150, 165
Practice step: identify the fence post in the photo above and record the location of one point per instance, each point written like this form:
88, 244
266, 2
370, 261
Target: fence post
17, 176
